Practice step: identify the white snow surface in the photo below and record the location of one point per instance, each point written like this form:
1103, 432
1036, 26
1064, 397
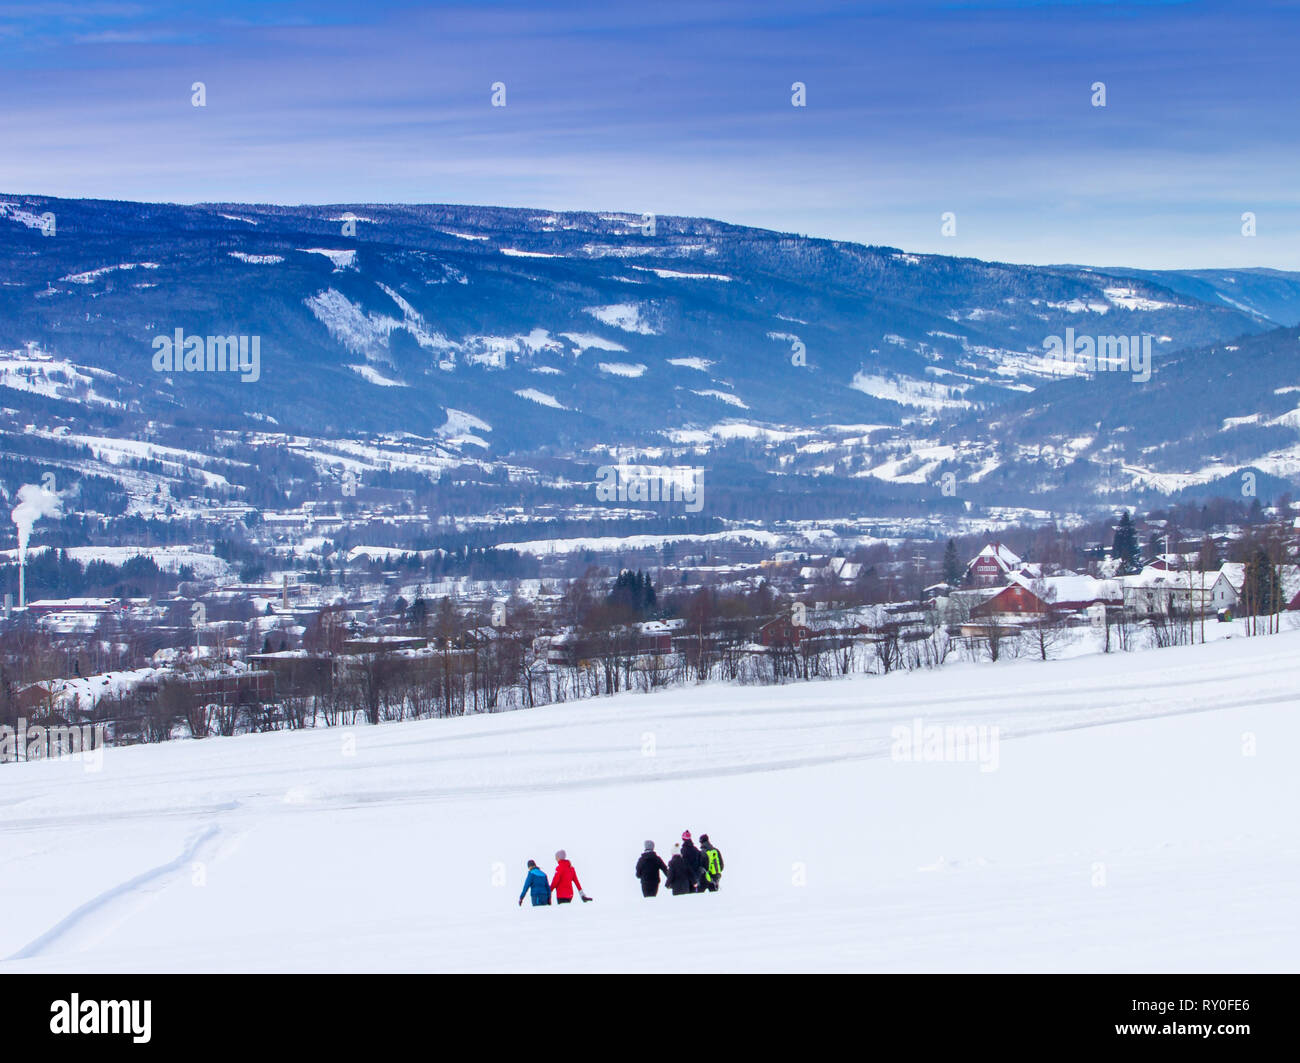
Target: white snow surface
627, 316
94, 274
168, 558
1123, 830
341, 259
622, 369
376, 377
673, 274
721, 396
540, 397
583, 341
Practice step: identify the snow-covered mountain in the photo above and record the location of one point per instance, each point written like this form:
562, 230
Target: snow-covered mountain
489, 332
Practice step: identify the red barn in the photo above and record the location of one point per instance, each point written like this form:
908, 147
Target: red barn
1013, 599
782, 632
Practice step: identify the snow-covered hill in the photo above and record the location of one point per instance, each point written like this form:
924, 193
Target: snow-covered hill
907, 381
1138, 815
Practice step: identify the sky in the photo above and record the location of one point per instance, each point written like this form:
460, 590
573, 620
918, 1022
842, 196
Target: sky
981, 109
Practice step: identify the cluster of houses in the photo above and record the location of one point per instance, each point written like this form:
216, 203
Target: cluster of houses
221, 683
1000, 586
251, 642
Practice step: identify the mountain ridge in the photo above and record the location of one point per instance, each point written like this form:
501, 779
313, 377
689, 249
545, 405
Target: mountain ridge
576, 332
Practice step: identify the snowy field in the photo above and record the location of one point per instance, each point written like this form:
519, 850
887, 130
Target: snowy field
1141, 817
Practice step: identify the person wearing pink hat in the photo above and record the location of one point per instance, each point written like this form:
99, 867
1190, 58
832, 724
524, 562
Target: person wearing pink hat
694, 861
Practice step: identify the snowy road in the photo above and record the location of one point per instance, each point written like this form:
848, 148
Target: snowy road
1124, 828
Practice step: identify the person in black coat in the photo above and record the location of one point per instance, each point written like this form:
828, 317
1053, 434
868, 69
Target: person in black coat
648, 868
694, 861
679, 878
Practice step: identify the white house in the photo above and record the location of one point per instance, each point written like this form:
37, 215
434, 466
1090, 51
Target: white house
1159, 591
1156, 592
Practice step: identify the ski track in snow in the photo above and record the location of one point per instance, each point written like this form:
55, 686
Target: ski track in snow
301, 804
129, 893
1063, 717
901, 712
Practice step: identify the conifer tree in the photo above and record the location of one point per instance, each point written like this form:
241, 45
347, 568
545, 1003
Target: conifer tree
1125, 548
953, 569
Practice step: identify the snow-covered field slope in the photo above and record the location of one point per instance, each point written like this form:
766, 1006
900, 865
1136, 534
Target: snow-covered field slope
1126, 828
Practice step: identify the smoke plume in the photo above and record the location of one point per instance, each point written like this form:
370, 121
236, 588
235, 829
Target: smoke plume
34, 502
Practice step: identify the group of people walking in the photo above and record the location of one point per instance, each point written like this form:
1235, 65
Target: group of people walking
691, 869
562, 885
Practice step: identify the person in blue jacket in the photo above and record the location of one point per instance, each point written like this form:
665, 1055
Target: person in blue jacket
538, 883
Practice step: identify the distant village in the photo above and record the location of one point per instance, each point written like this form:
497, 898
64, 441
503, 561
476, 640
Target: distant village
388, 635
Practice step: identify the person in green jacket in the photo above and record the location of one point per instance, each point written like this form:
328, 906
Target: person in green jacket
712, 864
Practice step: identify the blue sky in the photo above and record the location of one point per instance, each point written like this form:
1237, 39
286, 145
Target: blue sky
913, 109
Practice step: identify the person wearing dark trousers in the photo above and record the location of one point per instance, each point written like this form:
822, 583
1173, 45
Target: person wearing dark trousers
648, 868
694, 861
712, 864
565, 879
679, 876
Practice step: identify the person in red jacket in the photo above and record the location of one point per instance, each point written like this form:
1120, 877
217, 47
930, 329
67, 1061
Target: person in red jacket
564, 881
